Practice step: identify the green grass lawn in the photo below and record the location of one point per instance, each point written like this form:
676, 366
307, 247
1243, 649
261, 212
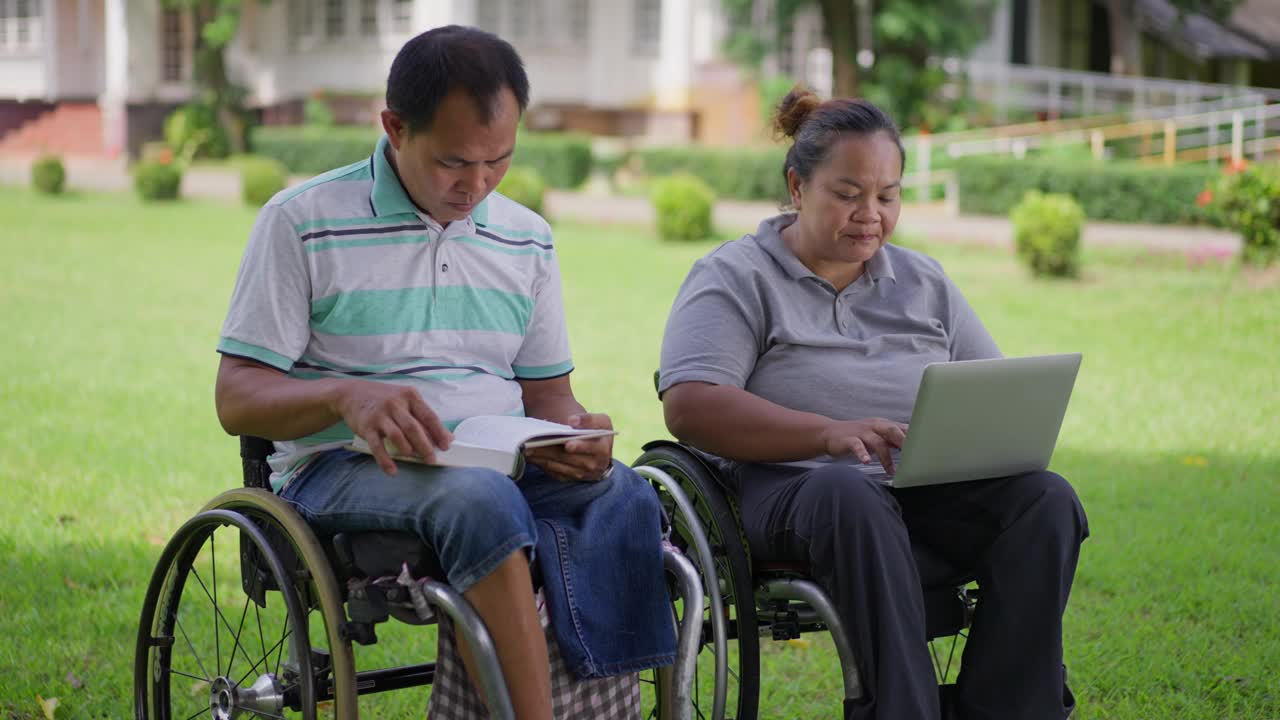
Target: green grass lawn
112, 310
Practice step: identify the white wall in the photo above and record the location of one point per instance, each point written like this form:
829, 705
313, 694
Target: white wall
22, 77
996, 46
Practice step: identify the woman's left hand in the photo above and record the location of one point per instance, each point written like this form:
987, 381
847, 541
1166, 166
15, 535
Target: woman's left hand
578, 460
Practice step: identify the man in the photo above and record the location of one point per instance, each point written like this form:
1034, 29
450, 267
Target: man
391, 299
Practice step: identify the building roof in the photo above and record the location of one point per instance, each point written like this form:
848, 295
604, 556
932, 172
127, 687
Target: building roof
1259, 20
1197, 35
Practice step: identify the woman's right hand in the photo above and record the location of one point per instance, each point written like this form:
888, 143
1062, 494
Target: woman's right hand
862, 438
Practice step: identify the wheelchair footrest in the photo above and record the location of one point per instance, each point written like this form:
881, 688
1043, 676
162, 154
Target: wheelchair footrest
785, 622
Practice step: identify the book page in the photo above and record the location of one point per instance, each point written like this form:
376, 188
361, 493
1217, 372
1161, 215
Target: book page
509, 432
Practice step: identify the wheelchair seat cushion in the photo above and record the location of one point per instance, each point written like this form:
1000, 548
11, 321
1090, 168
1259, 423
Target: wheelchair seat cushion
375, 554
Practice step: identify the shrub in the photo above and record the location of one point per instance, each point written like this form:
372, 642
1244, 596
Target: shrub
754, 174
683, 204
193, 131
157, 180
260, 179
1248, 201
48, 175
313, 150
563, 160
317, 113
1116, 190
1046, 232
525, 186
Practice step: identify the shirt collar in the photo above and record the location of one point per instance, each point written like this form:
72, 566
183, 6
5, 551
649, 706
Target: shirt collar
388, 196
769, 236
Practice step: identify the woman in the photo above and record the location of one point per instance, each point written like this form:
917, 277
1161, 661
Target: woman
796, 353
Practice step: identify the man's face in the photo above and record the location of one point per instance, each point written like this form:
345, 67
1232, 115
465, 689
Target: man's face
450, 168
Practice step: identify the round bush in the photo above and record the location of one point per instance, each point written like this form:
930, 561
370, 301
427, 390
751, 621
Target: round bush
1046, 231
683, 204
260, 179
193, 131
1248, 201
48, 175
525, 186
157, 181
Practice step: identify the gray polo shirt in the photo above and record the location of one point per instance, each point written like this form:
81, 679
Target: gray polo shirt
752, 316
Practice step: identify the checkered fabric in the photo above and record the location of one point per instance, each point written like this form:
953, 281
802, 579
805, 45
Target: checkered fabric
453, 697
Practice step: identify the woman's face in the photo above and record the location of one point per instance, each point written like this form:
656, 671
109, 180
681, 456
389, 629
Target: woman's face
849, 206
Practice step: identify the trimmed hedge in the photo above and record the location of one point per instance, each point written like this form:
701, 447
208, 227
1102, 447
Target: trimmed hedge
731, 173
313, 150
260, 179
684, 207
563, 160
157, 181
1119, 191
525, 186
48, 174
1046, 233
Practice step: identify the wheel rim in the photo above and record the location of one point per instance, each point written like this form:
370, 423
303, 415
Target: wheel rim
203, 651
736, 702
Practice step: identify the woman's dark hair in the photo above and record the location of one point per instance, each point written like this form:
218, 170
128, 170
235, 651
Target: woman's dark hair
441, 60
815, 126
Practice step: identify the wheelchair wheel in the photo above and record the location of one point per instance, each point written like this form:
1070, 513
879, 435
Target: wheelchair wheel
742, 692
242, 618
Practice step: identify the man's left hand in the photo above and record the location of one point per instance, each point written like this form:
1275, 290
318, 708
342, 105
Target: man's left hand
578, 460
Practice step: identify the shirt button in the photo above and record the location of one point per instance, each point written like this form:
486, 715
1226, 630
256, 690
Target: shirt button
444, 267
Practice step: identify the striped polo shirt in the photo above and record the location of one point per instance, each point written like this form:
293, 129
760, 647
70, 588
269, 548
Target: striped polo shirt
344, 276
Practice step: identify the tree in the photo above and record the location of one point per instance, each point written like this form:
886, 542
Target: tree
904, 34
218, 22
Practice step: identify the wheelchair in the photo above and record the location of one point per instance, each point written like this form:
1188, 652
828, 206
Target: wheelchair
281, 644
747, 601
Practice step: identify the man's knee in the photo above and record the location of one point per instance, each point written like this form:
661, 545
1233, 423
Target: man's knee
479, 508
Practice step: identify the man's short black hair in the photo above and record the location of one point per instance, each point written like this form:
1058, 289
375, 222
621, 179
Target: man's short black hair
441, 60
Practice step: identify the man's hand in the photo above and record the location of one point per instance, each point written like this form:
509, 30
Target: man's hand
578, 460
861, 438
380, 412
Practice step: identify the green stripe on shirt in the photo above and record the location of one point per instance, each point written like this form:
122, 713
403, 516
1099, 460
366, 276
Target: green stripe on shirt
538, 372
261, 354
390, 312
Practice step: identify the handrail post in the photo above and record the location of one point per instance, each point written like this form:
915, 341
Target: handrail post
1237, 137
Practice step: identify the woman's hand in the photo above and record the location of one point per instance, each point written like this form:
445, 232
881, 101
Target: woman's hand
578, 460
861, 438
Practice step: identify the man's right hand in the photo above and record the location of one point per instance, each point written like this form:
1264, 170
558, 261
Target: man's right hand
861, 438
380, 412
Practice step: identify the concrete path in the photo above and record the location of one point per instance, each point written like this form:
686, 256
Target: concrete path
929, 221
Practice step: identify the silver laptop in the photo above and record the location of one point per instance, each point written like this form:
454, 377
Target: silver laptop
978, 419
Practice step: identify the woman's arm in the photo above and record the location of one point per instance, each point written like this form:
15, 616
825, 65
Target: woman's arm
737, 425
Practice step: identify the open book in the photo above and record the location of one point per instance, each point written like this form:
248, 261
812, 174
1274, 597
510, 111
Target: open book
494, 441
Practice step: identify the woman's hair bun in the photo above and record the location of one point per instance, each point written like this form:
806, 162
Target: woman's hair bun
794, 109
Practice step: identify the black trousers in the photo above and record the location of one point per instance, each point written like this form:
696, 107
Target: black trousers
1018, 537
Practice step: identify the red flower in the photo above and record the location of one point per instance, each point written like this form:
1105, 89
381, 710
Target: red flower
166, 156
1204, 198
1236, 166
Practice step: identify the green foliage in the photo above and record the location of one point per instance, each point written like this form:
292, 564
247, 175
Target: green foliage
260, 179
157, 180
193, 131
313, 150
741, 174
1119, 191
1248, 201
772, 90
48, 175
317, 113
562, 159
525, 186
1046, 233
683, 204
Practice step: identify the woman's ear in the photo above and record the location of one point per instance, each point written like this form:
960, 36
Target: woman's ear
795, 187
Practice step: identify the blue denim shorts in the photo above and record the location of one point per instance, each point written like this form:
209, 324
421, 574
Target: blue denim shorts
597, 545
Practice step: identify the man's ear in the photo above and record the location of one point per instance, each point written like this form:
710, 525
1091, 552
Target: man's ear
394, 127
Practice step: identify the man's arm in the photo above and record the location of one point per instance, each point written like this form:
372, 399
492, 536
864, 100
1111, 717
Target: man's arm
553, 400
254, 399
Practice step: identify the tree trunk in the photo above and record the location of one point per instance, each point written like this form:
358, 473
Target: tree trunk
1124, 51
840, 21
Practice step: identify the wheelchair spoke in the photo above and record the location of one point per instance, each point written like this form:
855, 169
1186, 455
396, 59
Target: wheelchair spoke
266, 657
243, 614
198, 713
217, 636
188, 675
207, 677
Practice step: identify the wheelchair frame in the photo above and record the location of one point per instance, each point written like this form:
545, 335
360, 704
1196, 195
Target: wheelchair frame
280, 553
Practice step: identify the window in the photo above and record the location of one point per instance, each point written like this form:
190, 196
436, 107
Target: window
302, 22
335, 18
21, 29
646, 27
402, 15
368, 17
172, 47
